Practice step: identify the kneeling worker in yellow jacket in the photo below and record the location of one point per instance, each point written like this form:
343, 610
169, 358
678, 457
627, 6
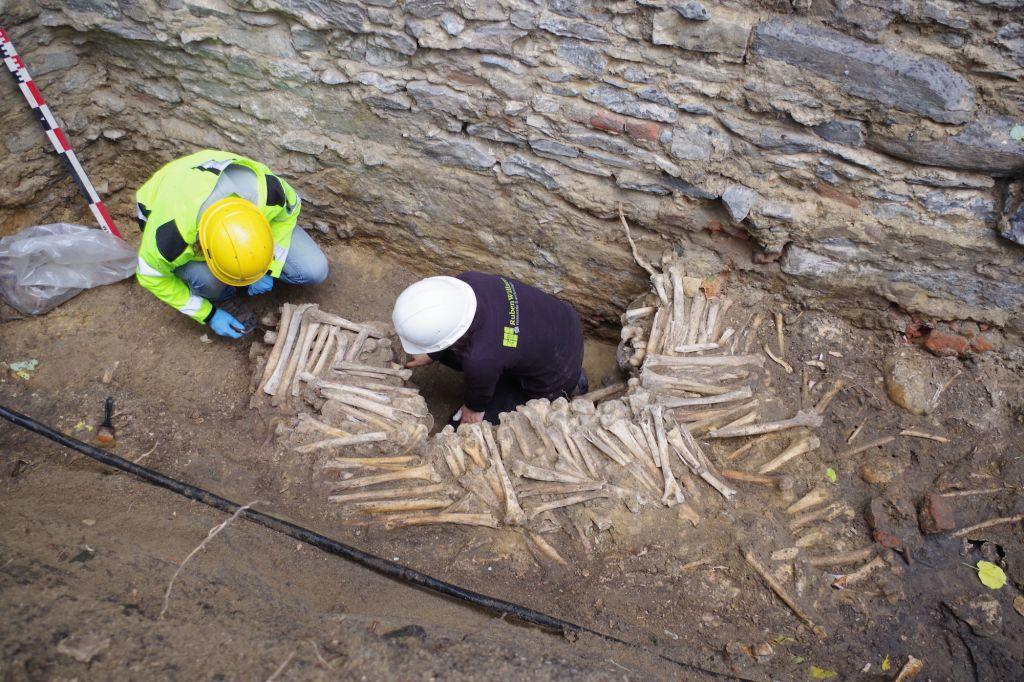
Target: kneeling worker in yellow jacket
214, 221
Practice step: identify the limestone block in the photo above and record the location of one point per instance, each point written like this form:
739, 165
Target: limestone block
897, 79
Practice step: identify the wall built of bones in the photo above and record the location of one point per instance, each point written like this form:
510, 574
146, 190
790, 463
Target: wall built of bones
579, 467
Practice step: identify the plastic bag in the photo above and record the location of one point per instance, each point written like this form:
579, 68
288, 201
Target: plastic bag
43, 266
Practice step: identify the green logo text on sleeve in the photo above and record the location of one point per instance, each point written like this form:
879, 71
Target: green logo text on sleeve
510, 334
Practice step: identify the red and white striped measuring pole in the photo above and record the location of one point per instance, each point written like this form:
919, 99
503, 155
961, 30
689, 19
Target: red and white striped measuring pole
60, 143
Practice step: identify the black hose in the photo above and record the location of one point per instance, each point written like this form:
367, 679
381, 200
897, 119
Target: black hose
383, 566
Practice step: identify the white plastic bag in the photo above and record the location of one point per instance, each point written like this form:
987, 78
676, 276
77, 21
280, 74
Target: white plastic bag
43, 266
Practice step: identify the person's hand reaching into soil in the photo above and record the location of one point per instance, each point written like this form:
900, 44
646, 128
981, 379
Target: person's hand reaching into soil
470, 416
418, 361
225, 324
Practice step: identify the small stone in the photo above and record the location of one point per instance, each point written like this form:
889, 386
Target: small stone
850, 133
460, 153
935, 514
893, 522
649, 130
982, 343
881, 471
581, 55
738, 201
896, 79
910, 383
332, 76
763, 652
573, 29
738, 654
83, 648
720, 36
452, 23
981, 613
517, 165
945, 344
693, 10
609, 122
550, 148
88, 522
1018, 604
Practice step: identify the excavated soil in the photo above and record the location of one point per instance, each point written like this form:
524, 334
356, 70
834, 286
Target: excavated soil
86, 552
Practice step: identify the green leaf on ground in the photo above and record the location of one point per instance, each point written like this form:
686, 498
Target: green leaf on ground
830, 474
822, 674
991, 575
1017, 132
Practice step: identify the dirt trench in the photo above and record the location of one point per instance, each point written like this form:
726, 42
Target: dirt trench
86, 551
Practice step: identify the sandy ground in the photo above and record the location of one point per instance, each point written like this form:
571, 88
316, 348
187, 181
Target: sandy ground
86, 551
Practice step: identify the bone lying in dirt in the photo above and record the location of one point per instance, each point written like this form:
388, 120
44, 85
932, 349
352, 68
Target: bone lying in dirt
672, 494
533, 512
802, 446
453, 518
327, 352
398, 506
275, 353
691, 454
352, 354
817, 496
409, 492
546, 549
514, 514
866, 446
354, 439
704, 360
514, 422
527, 490
781, 592
369, 462
337, 321
710, 322
829, 513
651, 380
424, 473
322, 335
600, 394
807, 418
272, 385
346, 366
348, 397
303, 339
524, 470
780, 483
731, 396
777, 360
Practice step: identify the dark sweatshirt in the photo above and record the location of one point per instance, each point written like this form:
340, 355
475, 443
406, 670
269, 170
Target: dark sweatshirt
520, 332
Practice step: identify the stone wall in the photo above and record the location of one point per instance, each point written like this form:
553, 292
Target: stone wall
857, 154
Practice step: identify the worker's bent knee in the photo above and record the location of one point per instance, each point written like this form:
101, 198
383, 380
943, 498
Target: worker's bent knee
306, 263
312, 269
202, 282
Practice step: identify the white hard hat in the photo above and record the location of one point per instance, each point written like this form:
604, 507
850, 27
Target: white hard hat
433, 313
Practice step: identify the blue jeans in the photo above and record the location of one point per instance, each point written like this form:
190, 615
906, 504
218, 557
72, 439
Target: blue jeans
305, 264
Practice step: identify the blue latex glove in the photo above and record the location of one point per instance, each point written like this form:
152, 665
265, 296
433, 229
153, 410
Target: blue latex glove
261, 286
225, 324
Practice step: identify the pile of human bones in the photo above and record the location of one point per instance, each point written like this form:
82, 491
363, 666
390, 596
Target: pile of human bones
577, 466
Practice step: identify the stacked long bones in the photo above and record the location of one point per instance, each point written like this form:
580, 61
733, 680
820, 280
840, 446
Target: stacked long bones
548, 465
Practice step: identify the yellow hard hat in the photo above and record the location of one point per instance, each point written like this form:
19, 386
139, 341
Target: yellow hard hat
236, 241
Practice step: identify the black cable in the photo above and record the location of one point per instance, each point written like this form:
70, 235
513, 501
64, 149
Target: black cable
383, 566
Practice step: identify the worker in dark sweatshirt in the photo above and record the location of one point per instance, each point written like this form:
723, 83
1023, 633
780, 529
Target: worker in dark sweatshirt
512, 342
